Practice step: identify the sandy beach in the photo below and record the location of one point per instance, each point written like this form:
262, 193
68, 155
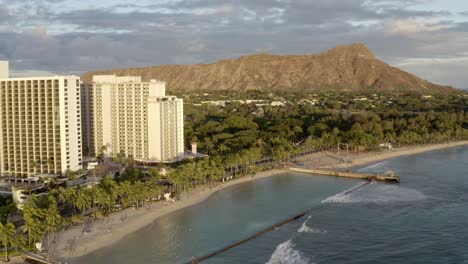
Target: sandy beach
101, 233
366, 159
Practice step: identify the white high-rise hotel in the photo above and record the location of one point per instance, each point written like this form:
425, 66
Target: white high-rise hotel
40, 124
41, 120
136, 119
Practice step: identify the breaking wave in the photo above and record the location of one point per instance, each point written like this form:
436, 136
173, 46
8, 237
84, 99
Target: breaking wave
286, 254
379, 193
338, 196
306, 229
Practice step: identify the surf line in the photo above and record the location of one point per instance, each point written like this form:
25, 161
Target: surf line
264, 231
356, 188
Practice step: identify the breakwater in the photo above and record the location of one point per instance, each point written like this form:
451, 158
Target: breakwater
351, 174
233, 245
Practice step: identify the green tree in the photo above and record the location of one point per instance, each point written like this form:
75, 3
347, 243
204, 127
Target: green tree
83, 200
9, 238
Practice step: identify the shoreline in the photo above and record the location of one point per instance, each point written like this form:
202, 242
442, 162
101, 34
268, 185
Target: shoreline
371, 158
73, 243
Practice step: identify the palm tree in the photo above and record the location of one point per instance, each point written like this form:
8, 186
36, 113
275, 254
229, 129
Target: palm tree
154, 173
101, 153
123, 190
83, 200
68, 196
33, 220
52, 223
52, 183
9, 238
105, 199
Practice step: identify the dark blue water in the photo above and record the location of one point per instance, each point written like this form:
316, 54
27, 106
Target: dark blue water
422, 220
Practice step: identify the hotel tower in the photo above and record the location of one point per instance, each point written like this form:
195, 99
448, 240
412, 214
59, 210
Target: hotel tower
40, 124
136, 119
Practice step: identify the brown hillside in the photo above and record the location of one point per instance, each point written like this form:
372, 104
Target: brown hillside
352, 67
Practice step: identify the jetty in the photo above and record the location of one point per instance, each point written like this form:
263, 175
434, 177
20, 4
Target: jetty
351, 174
37, 258
347, 174
235, 244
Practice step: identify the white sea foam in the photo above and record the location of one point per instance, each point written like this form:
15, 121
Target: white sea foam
376, 193
286, 254
307, 229
342, 194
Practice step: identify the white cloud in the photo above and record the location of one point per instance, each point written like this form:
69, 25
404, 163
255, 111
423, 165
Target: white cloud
86, 35
446, 71
29, 73
411, 26
461, 60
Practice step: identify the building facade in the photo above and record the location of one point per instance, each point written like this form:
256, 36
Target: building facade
4, 69
40, 125
87, 126
136, 119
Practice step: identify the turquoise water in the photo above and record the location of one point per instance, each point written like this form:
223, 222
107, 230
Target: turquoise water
422, 220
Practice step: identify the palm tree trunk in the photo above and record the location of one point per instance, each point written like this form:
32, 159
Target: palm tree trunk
6, 253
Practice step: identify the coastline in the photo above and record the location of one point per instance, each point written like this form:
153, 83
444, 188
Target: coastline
370, 158
73, 243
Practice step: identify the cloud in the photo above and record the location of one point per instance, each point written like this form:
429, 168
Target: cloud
72, 37
455, 61
4, 15
412, 26
447, 71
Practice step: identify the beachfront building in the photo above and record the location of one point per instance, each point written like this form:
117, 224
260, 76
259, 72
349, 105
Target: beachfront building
87, 127
136, 119
40, 124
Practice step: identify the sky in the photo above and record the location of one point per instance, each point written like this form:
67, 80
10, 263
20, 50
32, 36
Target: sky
428, 38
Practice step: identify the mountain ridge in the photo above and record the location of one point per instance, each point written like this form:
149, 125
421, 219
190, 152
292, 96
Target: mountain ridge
345, 67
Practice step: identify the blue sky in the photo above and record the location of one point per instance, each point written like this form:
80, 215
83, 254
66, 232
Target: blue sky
426, 37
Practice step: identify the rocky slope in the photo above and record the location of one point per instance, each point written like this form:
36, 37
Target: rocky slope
352, 67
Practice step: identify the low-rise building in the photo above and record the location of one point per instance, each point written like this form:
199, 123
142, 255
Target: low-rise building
21, 193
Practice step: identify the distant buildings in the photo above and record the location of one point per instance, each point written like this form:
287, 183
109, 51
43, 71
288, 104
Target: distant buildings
135, 119
40, 124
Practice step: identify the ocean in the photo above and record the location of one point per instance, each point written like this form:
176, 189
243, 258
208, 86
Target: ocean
422, 220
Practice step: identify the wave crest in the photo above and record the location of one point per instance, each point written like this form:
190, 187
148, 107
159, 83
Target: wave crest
307, 229
379, 193
286, 254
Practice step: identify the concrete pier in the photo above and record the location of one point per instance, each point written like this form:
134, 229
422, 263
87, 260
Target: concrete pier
351, 174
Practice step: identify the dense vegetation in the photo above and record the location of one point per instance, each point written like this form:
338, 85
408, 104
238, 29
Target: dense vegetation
322, 121
7, 207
